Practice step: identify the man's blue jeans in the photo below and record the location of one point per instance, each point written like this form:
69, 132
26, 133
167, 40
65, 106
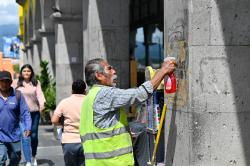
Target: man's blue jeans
26, 144
13, 150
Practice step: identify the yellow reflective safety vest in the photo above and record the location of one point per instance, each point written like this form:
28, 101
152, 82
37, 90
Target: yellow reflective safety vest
104, 147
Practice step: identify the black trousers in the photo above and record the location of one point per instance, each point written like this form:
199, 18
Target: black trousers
73, 154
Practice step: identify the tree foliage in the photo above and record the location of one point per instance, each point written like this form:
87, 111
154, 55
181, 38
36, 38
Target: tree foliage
48, 86
16, 68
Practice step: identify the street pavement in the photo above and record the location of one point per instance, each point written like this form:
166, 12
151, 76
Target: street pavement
49, 152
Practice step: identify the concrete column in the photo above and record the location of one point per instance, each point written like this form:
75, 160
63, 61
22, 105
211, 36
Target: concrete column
35, 36
209, 115
30, 31
68, 48
47, 34
24, 57
106, 34
36, 54
175, 37
29, 55
32, 22
27, 58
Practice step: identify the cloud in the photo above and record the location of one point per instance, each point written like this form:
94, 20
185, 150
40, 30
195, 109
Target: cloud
6, 2
8, 12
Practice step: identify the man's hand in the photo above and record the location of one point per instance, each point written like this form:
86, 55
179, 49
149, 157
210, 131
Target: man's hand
55, 119
168, 67
27, 133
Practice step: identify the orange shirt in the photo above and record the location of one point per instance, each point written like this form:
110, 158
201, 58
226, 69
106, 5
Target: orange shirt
70, 108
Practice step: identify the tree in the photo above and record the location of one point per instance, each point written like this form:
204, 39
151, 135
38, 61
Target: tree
49, 89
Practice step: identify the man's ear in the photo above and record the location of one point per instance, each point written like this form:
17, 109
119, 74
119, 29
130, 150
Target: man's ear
99, 76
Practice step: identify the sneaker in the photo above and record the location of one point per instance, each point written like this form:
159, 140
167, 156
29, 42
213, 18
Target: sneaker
28, 164
34, 162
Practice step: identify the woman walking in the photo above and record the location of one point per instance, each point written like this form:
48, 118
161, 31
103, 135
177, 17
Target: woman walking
31, 89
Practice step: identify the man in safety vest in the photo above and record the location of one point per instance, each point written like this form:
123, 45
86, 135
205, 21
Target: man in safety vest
103, 124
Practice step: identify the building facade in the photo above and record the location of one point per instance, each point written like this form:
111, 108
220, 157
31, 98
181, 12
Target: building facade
208, 118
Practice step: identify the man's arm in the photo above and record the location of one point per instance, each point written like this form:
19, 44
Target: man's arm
25, 115
56, 118
110, 98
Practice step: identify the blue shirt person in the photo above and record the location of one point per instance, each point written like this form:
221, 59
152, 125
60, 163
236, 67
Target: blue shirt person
13, 109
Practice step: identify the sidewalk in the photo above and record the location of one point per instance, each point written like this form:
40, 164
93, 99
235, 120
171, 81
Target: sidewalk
49, 152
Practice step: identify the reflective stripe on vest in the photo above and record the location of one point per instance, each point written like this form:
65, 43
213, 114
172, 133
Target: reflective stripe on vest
99, 135
105, 155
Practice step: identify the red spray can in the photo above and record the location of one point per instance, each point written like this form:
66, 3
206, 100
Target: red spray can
170, 81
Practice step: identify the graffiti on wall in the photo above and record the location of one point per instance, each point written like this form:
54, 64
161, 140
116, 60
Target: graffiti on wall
176, 47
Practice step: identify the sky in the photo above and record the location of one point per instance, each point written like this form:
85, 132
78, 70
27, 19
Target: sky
8, 12
157, 36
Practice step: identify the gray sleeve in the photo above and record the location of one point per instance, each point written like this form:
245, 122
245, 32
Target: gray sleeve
114, 98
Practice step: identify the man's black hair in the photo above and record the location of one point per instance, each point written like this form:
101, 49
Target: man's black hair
78, 87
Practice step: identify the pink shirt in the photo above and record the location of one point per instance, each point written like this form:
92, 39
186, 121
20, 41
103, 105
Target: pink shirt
33, 95
70, 108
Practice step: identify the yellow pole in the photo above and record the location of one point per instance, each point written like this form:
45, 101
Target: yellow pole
164, 110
